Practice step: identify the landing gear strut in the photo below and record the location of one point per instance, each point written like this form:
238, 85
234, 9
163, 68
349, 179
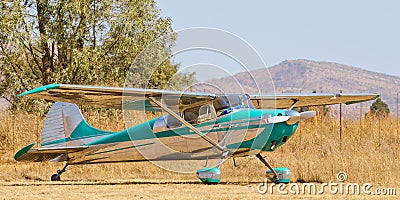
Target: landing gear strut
56, 177
212, 175
275, 179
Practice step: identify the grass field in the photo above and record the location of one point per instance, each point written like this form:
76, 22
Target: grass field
368, 151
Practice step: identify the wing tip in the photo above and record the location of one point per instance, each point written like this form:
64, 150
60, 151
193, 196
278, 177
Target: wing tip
40, 89
374, 96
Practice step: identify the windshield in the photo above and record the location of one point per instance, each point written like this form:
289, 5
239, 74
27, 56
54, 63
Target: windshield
233, 102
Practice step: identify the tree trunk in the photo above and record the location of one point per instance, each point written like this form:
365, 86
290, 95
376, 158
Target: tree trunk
46, 57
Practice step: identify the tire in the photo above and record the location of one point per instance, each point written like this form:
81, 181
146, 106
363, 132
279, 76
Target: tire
55, 177
276, 179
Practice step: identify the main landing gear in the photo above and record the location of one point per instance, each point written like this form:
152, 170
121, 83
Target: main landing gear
212, 175
57, 177
280, 175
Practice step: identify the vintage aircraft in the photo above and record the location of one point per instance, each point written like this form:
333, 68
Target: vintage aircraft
194, 126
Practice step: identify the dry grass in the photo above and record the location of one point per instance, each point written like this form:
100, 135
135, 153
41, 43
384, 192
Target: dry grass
368, 152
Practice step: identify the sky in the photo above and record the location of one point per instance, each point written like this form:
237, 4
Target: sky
363, 34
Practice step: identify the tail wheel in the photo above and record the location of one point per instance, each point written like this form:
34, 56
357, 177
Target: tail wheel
55, 177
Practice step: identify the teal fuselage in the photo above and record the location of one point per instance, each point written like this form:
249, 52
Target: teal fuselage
264, 136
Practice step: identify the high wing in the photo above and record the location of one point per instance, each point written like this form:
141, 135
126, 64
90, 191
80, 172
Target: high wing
139, 99
285, 101
112, 97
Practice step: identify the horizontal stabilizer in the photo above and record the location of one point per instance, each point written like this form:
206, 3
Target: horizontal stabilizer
44, 154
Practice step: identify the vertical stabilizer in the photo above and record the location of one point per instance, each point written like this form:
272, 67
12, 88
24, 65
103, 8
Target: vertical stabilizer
65, 126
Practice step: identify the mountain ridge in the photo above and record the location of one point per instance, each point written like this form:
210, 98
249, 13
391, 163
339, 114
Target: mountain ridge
307, 76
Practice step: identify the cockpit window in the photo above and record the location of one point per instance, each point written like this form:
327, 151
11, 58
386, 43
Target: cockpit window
204, 113
226, 104
232, 101
199, 114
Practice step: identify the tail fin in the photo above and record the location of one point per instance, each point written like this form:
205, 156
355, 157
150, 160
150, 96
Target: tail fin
65, 127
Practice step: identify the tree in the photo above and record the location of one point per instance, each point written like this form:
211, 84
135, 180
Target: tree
379, 108
79, 42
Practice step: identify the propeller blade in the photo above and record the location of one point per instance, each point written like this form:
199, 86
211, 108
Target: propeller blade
296, 116
276, 119
309, 114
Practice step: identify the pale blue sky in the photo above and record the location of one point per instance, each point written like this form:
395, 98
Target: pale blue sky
363, 34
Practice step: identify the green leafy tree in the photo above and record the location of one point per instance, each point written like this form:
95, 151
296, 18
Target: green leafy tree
80, 42
379, 108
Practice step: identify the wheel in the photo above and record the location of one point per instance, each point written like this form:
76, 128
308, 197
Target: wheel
55, 177
275, 179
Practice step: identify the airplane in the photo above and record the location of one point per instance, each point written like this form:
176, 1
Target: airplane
193, 126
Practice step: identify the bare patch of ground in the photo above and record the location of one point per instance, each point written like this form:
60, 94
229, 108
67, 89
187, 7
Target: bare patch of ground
144, 189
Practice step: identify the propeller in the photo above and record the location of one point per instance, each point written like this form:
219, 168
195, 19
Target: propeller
296, 116
291, 117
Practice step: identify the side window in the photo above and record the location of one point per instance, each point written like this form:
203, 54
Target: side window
165, 122
171, 122
206, 112
190, 116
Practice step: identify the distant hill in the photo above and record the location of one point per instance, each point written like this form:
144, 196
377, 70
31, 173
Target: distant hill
306, 76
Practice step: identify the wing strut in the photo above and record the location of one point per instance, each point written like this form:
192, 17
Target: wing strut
265, 162
187, 124
294, 104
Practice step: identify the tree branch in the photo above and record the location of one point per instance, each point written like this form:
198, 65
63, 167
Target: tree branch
33, 56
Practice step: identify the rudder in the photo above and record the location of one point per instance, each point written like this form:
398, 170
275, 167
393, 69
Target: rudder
65, 126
